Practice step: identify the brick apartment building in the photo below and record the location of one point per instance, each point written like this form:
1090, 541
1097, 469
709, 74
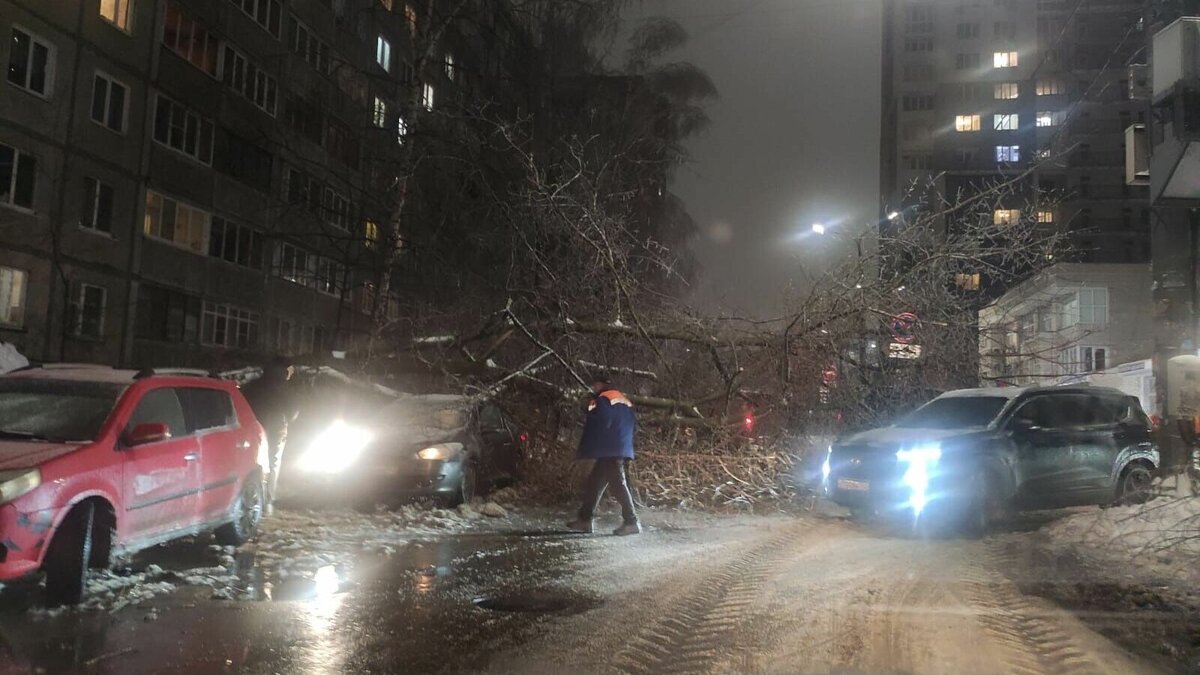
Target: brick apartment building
194, 182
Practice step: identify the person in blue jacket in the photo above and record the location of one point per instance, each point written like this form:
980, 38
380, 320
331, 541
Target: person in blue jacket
607, 439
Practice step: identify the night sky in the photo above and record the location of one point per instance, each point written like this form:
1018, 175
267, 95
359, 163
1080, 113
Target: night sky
794, 139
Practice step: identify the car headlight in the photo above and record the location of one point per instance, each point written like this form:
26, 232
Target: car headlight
921, 462
13, 484
336, 448
441, 451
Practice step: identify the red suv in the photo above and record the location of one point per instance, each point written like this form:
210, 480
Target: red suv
97, 463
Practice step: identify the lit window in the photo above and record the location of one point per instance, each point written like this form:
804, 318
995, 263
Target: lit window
1004, 60
116, 12
30, 63
967, 122
1006, 90
182, 225
89, 312
1005, 122
410, 17
97, 213
401, 129
427, 96
108, 102
1048, 86
1008, 153
451, 68
371, 233
12, 296
1050, 118
380, 114
1045, 216
18, 174
1006, 216
383, 54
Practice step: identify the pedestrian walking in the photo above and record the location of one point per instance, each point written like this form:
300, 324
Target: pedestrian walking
274, 405
607, 439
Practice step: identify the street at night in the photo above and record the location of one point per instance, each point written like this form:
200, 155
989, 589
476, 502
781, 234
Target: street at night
795, 592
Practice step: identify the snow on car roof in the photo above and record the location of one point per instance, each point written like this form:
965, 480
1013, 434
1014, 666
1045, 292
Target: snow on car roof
988, 392
81, 373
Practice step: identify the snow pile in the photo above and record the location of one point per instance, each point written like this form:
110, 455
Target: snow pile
1161, 536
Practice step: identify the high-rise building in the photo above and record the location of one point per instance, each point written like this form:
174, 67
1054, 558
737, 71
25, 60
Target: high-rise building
194, 182
1037, 92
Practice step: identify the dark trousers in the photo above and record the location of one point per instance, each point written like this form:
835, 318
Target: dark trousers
607, 473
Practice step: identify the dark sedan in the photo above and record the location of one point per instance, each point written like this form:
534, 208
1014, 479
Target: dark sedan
445, 447
970, 455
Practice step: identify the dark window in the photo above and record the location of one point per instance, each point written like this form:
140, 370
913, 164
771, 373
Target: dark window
108, 102
89, 320
18, 170
29, 63
954, 412
163, 314
235, 243
490, 418
243, 160
97, 206
159, 406
206, 408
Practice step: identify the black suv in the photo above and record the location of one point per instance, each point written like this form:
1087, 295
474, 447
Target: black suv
971, 454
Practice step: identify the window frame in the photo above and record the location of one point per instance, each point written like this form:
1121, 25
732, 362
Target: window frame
22, 289
969, 123
110, 81
383, 53
206, 223
1008, 154
51, 70
125, 26
255, 6
1006, 122
1005, 59
81, 307
11, 202
210, 40
92, 191
201, 122
235, 317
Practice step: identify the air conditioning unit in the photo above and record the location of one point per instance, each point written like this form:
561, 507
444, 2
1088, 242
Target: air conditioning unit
1137, 155
1176, 55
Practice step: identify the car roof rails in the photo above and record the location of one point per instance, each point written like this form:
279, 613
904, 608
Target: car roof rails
59, 366
188, 372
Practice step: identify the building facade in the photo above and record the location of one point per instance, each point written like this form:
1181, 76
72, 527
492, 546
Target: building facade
1069, 320
1032, 92
195, 182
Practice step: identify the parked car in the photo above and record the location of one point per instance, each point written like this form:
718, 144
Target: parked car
440, 446
969, 455
97, 463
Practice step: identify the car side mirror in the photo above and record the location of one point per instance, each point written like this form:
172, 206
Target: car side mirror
147, 432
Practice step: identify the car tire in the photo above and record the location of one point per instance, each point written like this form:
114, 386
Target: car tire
67, 558
468, 486
1134, 485
248, 512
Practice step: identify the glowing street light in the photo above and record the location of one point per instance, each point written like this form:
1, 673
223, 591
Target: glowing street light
818, 228
893, 215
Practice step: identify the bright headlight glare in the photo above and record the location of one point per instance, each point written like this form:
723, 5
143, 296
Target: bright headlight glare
921, 461
825, 468
13, 484
441, 451
336, 448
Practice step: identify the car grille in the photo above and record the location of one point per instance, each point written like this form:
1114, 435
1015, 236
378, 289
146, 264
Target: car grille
865, 463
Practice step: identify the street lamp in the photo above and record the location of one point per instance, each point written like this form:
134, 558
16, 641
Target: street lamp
893, 215
818, 228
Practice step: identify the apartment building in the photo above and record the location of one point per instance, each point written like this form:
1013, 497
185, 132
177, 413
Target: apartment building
1070, 319
196, 182
978, 92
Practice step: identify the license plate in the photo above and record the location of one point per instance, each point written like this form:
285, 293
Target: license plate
847, 484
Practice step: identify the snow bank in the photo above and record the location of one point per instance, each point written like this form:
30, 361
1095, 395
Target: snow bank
1161, 536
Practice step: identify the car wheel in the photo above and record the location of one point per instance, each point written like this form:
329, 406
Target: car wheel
468, 486
1134, 486
248, 513
67, 558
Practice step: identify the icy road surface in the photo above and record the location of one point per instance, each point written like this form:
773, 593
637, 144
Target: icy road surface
410, 591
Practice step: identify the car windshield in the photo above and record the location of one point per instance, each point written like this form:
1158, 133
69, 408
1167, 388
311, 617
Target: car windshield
955, 412
54, 410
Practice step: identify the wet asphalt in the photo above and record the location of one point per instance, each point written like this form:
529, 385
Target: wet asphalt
443, 605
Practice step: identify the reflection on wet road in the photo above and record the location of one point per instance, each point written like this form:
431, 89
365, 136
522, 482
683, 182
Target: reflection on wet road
414, 610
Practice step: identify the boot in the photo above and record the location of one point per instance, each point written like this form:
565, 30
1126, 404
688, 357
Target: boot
583, 525
628, 528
